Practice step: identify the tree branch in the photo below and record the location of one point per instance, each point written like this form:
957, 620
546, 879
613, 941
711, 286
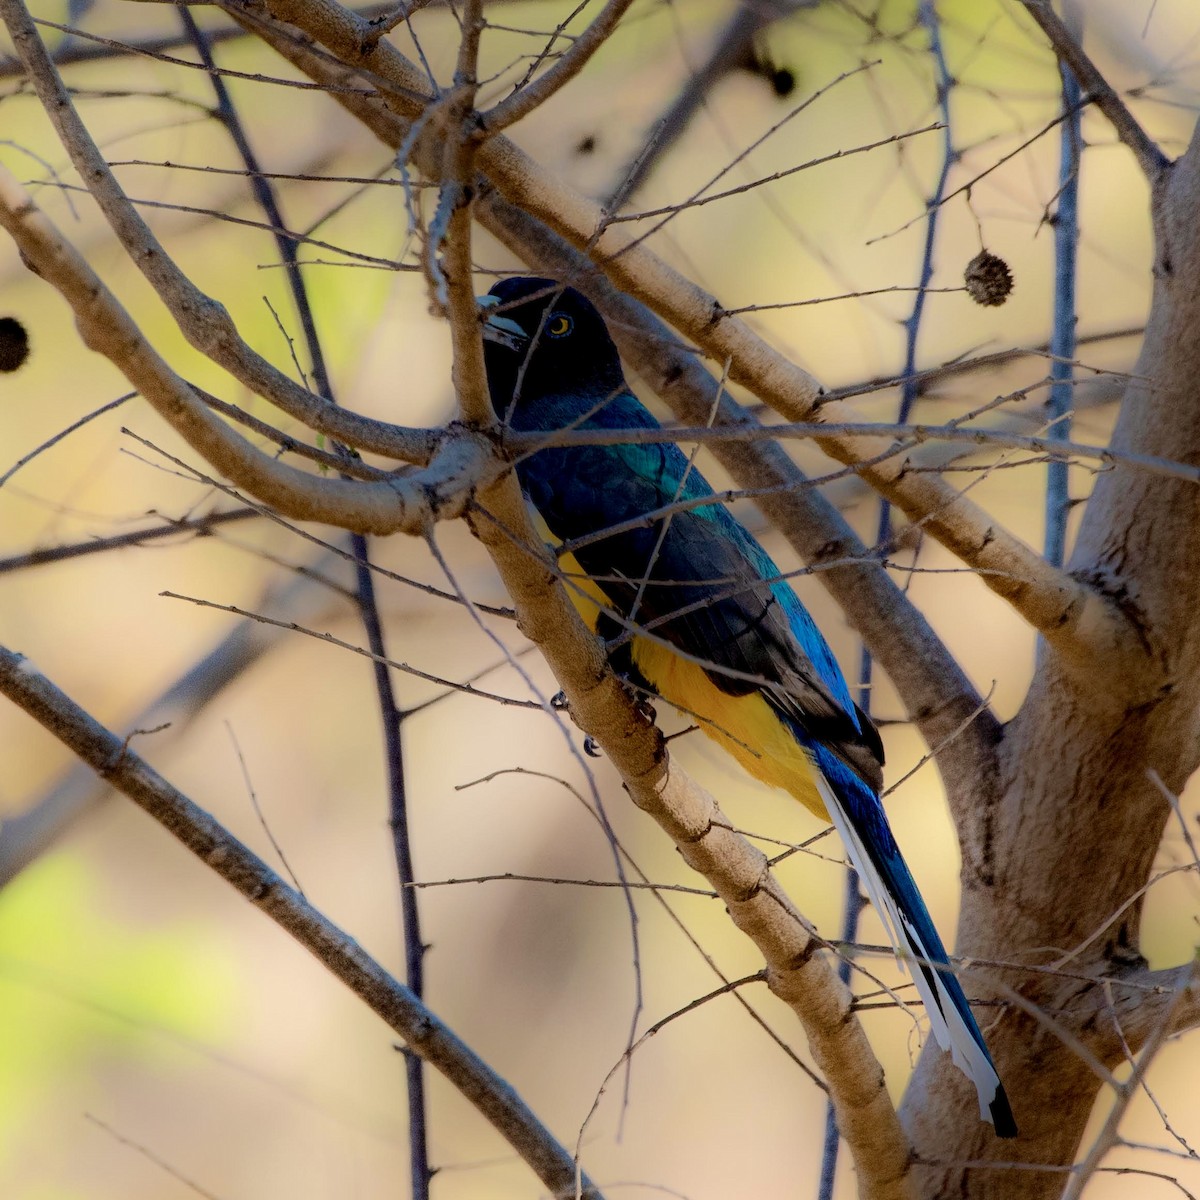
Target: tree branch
111, 757
410, 503
1149, 157
1077, 621
203, 321
452, 281
797, 972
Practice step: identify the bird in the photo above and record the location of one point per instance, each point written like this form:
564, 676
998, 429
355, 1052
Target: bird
694, 610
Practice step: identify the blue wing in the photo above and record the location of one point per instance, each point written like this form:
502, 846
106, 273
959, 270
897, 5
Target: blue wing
697, 579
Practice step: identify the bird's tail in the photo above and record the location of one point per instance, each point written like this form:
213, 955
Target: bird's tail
860, 820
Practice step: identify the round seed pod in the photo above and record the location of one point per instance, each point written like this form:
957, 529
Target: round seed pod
988, 278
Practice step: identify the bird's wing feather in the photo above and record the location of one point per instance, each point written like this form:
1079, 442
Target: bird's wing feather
697, 579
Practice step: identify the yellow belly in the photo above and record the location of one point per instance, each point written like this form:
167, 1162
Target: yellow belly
746, 726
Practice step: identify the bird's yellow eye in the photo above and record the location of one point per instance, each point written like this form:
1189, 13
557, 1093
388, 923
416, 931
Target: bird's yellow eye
558, 325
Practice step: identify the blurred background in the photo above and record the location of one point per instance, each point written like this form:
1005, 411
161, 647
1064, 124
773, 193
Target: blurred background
157, 1036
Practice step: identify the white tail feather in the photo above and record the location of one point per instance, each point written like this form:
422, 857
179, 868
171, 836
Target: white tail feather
945, 1021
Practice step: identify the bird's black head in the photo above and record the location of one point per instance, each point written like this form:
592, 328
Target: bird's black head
546, 348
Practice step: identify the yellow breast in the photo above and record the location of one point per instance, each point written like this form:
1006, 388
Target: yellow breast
746, 726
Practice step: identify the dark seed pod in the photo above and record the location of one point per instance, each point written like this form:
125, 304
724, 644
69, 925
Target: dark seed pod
14, 344
988, 279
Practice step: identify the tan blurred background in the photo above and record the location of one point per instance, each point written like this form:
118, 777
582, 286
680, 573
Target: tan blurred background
155, 1032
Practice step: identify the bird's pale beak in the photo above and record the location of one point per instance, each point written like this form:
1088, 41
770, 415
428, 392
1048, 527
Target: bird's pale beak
500, 329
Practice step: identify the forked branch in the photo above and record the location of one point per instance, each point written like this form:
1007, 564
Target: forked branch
1078, 621
410, 502
1064, 43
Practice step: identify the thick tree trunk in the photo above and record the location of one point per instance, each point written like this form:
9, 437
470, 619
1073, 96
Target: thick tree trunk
1059, 846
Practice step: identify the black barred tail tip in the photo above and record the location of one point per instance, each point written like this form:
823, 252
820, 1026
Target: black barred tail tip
1001, 1113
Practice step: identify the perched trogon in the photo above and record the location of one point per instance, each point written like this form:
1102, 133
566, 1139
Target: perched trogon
700, 613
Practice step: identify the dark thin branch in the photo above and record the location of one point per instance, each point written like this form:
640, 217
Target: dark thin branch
1062, 341
414, 945
199, 526
909, 390
728, 53
108, 50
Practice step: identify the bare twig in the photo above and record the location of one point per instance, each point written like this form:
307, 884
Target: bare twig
510, 110
63, 433
1106, 1139
1149, 157
905, 437
294, 627
729, 51
200, 526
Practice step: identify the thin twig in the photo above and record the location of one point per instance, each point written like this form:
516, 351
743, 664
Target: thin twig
1106, 1139
730, 50
512, 109
465, 688
62, 433
199, 526
907, 436
853, 901
347, 461
1149, 157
